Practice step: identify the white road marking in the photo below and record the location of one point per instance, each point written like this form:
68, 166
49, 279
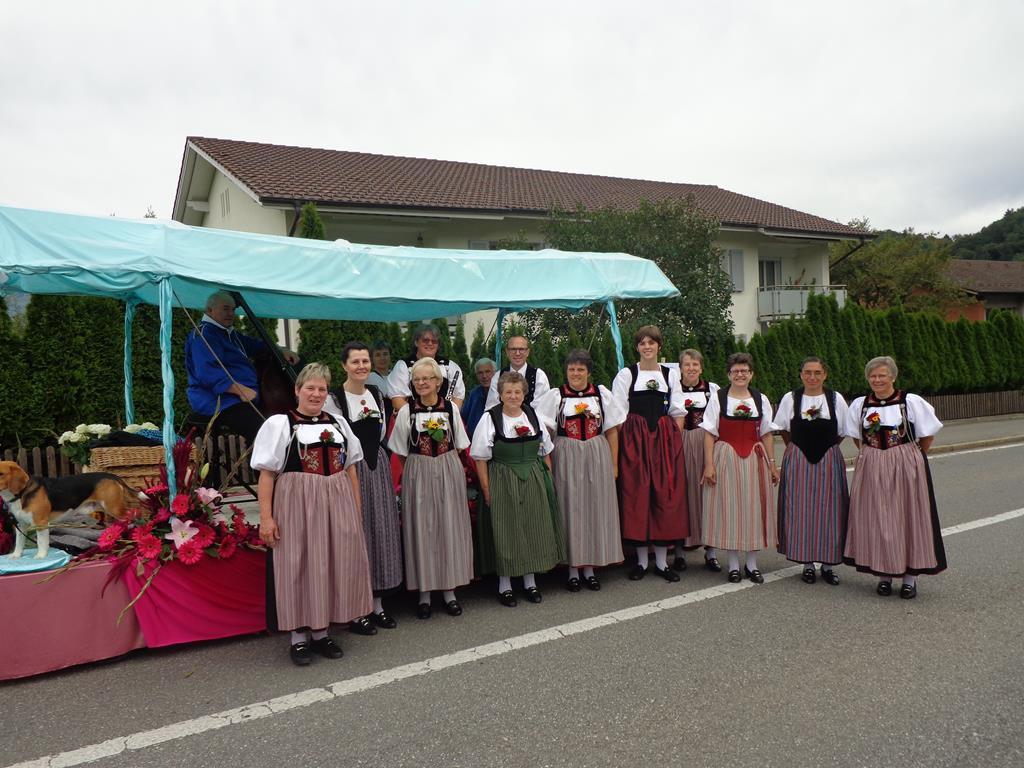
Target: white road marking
271, 707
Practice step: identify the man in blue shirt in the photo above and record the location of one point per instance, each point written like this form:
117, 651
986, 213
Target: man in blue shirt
473, 409
221, 376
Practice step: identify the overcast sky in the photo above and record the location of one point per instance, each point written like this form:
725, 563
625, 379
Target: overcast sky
908, 113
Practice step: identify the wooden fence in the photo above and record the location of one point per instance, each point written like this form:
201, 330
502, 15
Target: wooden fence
974, 405
50, 462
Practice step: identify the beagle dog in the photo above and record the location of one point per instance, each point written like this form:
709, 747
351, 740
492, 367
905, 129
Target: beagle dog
40, 502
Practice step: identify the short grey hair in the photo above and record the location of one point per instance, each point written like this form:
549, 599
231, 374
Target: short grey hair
217, 297
484, 361
878, 362
693, 354
510, 377
431, 365
313, 371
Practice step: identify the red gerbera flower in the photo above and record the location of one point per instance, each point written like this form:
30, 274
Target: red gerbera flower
150, 547
180, 505
190, 552
204, 535
110, 537
227, 548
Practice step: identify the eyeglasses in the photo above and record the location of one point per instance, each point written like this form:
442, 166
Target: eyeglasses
740, 372
424, 381
427, 340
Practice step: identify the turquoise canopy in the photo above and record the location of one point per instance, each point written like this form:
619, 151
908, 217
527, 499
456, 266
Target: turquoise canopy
163, 263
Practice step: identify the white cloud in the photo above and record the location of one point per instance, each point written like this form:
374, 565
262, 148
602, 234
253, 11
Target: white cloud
907, 113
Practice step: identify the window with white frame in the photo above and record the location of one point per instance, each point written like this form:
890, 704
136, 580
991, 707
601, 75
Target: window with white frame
769, 273
732, 265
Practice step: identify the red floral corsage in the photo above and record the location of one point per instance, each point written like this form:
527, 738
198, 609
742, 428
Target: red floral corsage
326, 436
522, 430
743, 412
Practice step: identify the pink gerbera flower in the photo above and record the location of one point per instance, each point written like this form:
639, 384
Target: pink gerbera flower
190, 553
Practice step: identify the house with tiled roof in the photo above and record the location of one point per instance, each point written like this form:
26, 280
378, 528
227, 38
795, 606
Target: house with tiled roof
993, 284
776, 256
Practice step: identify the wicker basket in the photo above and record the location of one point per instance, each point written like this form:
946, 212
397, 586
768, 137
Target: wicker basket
139, 467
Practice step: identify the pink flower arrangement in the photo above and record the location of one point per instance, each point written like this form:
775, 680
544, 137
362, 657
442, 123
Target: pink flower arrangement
188, 528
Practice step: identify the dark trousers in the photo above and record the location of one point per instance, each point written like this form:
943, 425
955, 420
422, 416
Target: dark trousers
240, 419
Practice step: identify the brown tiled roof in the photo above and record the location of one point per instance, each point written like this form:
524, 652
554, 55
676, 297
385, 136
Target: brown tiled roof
278, 173
987, 276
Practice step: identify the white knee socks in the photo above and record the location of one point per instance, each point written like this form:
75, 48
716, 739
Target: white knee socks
752, 561
574, 573
449, 595
661, 557
734, 560
642, 557
588, 572
378, 606
299, 637
424, 597
529, 582
504, 584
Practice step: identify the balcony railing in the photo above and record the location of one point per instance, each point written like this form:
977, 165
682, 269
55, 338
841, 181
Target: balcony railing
788, 300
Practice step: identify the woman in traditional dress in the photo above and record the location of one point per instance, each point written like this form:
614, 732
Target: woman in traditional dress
362, 406
427, 438
426, 340
652, 490
317, 571
584, 419
520, 527
894, 524
739, 470
696, 394
813, 496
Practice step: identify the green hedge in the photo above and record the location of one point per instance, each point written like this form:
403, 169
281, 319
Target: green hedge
66, 368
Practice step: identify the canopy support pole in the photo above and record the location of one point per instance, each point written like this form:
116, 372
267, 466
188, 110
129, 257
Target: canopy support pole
129, 401
616, 335
497, 338
168, 378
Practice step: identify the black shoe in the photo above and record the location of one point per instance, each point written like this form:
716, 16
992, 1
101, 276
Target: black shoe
908, 591
423, 611
301, 655
592, 583
383, 621
808, 576
533, 595
754, 575
829, 576
679, 564
507, 599
362, 626
712, 564
668, 574
573, 584
327, 648
884, 588
734, 577
453, 608
637, 572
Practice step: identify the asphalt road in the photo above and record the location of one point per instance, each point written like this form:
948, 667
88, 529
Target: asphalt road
783, 674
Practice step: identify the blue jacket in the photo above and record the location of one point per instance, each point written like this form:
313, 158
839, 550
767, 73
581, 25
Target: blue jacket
473, 408
206, 379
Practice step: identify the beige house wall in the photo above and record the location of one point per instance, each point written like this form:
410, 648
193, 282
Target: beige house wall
232, 208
